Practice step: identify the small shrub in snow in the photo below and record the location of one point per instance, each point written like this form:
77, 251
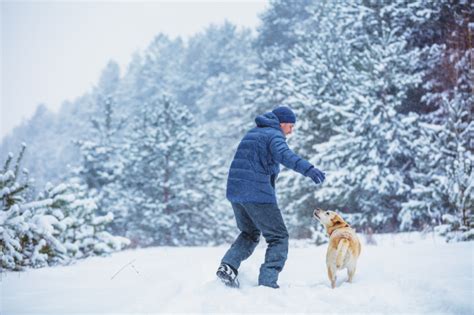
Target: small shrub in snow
454, 230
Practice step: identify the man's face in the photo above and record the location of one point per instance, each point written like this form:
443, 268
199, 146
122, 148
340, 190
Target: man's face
287, 128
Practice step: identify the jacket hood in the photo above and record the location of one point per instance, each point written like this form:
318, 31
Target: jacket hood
268, 120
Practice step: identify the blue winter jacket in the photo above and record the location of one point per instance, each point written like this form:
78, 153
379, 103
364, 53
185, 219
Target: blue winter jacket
255, 167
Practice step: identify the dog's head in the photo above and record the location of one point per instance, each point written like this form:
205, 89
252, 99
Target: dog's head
330, 219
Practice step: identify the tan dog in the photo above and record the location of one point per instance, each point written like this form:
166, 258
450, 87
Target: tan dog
344, 246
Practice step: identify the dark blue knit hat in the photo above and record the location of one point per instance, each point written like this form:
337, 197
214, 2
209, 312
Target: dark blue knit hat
285, 114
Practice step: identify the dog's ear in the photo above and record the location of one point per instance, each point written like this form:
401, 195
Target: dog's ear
338, 221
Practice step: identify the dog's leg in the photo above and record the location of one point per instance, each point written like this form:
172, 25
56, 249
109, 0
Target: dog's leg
332, 276
351, 268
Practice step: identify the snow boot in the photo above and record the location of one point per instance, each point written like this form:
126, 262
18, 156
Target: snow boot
228, 275
273, 285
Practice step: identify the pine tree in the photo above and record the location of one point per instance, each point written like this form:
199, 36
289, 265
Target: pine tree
312, 84
101, 166
278, 33
12, 221
349, 78
39, 132
225, 68
373, 150
37, 233
84, 228
28, 235
160, 71
445, 187
164, 178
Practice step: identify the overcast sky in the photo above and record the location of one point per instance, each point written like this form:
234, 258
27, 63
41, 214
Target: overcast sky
55, 50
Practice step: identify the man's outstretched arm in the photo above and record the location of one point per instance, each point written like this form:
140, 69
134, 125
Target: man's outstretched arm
284, 155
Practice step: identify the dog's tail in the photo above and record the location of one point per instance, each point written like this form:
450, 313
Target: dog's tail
341, 252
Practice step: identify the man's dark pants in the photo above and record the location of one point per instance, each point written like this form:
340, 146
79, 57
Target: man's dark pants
254, 219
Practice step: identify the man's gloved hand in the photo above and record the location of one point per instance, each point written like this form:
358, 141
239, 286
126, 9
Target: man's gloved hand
316, 175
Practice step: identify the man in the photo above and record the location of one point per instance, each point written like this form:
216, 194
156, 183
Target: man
251, 191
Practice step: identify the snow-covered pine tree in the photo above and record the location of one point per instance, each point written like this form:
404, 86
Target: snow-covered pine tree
28, 238
125, 97
348, 76
222, 131
278, 30
83, 228
370, 158
64, 226
198, 78
277, 35
160, 70
12, 221
165, 178
445, 182
42, 161
222, 57
312, 83
37, 233
100, 166
108, 84
217, 64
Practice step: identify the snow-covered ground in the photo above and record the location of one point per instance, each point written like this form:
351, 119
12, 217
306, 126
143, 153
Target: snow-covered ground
404, 273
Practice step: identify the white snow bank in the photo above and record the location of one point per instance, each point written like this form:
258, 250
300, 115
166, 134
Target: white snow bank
402, 274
